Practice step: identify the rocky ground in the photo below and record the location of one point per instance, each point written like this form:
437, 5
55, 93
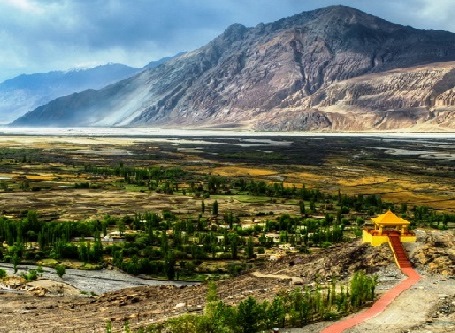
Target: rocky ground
428, 306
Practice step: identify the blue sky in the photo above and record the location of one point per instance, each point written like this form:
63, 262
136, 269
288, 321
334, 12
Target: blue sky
45, 35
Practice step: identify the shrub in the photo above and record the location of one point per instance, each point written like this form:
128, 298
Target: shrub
60, 270
31, 275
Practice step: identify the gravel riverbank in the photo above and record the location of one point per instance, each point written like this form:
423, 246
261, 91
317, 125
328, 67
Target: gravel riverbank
94, 281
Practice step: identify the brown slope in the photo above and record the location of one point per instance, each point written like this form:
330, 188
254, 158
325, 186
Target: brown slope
416, 99
141, 306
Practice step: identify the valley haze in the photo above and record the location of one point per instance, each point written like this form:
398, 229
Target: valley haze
140, 132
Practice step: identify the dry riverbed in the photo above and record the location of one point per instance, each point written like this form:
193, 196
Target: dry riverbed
93, 281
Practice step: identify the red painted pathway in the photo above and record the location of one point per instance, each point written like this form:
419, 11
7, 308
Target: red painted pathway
382, 303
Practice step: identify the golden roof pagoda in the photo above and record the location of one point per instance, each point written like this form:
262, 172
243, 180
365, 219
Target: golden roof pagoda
385, 225
389, 219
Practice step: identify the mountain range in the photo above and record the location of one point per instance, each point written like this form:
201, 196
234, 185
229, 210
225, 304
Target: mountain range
331, 69
28, 91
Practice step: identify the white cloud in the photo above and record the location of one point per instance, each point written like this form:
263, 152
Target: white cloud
44, 35
25, 5
437, 14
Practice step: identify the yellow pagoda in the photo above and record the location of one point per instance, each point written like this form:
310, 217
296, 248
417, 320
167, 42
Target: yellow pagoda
386, 225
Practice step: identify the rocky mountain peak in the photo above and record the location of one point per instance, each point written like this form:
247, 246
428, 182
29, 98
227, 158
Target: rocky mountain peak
285, 75
335, 18
234, 32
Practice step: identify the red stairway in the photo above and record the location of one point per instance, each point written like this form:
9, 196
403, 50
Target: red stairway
398, 250
381, 304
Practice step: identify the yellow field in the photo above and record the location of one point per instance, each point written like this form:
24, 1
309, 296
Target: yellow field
362, 181
230, 171
43, 177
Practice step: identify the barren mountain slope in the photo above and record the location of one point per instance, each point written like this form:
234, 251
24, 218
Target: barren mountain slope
248, 75
420, 98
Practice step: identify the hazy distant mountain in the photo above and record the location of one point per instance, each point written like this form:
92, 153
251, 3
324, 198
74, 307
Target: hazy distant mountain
335, 68
28, 91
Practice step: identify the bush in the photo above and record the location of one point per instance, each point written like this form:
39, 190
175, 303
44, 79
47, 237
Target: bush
331, 315
60, 270
2, 273
325, 245
344, 210
31, 275
225, 255
129, 237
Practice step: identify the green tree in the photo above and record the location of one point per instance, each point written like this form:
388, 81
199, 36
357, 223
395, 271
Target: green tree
169, 265
84, 252
32, 220
212, 293
4, 186
302, 207
15, 260
215, 208
362, 289
276, 313
121, 226
97, 252
221, 320
299, 305
234, 243
41, 243
312, 205
250, 248
328, 219
250, 316
211, 299
339, 216
164, 243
